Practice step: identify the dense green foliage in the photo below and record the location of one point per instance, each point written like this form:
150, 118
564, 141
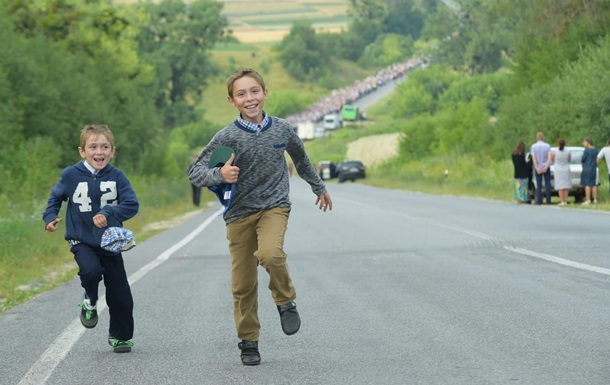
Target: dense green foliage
176, 40
63, 64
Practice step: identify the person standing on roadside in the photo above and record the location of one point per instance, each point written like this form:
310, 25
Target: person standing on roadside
196, 189
541, 158
588, 177
605, 153
563, 177
520, 173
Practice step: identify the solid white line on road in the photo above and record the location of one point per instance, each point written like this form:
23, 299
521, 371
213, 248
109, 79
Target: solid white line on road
42, 369
561, 261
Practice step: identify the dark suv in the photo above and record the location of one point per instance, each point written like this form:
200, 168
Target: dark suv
350, 170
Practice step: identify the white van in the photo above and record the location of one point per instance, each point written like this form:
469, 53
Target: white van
306, 130
332, 121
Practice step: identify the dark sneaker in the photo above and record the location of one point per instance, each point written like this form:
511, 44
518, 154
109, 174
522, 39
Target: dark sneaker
291, 322
88, 313
249, 353
120, 346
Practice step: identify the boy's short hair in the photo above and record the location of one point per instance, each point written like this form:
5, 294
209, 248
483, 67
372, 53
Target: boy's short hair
240, 73
95, 130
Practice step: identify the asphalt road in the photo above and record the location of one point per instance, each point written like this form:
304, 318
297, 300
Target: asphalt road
393, 288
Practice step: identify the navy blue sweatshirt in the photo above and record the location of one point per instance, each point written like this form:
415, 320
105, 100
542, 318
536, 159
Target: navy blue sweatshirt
108, 192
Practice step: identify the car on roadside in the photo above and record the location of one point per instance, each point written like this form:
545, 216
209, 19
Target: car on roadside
577, 190
350, 170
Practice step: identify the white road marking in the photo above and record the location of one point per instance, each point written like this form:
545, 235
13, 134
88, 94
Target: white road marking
487, 237
42, 369
530, 253
561, 261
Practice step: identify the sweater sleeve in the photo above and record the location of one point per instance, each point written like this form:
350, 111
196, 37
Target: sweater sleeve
303, 165
56, 198
200, 174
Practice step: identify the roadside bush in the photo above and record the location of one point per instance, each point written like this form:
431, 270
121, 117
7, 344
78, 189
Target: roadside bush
572, 106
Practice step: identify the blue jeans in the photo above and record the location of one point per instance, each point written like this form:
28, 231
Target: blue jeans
547, 186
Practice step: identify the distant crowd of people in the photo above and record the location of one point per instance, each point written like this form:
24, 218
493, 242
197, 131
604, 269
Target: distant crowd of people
347, 95
536, 165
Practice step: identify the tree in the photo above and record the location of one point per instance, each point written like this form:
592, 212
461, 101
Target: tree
387, 50
406, 17
477, 37
176, 40
303, 55
553, 33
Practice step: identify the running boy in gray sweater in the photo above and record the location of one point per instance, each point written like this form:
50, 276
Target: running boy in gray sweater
257, 206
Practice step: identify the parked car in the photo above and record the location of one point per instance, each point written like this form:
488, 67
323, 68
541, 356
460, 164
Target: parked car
327, 169
577, 191
350, 170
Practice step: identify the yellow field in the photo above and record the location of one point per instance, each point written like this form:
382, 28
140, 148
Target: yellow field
271, 20
257, 35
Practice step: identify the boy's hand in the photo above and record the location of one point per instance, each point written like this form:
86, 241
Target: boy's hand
99, 220
52, 226
324, 202
229, 172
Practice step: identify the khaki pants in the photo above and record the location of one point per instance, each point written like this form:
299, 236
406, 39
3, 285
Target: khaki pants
253, 240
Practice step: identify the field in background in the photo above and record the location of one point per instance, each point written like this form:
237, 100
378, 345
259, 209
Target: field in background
271, 20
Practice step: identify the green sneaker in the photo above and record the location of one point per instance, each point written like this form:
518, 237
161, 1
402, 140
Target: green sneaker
88, 313
120, 346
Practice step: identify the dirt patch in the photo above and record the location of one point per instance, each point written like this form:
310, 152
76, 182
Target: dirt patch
374, 149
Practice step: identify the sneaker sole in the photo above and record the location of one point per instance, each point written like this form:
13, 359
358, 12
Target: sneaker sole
291, 332
89, 324
122, 349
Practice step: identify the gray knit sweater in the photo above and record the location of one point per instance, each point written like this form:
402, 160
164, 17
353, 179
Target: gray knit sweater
263, 181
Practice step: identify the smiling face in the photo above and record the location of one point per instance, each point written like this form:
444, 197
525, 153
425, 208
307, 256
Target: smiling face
249, 97
97, 151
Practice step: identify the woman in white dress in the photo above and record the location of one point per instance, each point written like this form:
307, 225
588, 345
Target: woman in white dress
563, 178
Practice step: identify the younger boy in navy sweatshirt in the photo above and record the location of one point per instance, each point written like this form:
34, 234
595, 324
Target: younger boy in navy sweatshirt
98, 195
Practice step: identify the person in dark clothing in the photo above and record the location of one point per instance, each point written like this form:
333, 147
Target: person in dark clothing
521, 173
196, 189
588, 177
98, 195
